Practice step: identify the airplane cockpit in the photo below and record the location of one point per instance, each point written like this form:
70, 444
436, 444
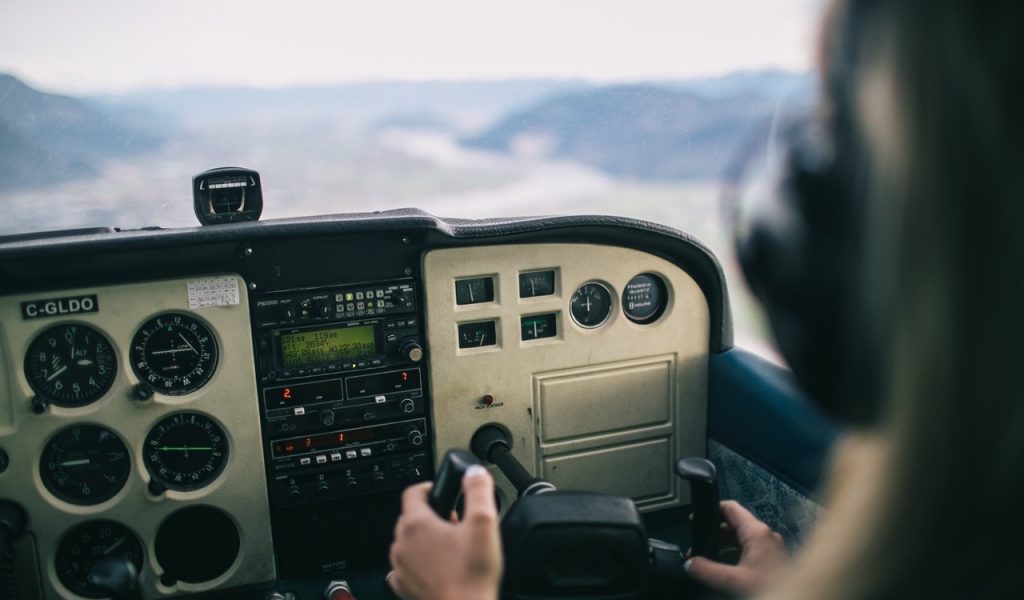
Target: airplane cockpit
234, 409
217, 381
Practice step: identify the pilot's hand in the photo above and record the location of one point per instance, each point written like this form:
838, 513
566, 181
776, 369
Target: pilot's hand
763, 556
435, 559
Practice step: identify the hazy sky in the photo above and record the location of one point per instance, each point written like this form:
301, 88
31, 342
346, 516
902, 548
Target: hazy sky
110, 45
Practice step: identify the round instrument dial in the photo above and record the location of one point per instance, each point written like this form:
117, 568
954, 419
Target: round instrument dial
591, 305
644, 298
85, 464
89, 543
174, 353
70, 364
185, 451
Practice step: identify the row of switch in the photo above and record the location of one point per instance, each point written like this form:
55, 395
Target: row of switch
349, 296
321, 459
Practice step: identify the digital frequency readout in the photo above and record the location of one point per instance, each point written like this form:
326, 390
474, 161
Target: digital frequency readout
327, 345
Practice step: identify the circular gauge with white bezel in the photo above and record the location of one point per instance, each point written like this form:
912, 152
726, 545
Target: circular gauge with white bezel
591, 305
174, 353
70, 364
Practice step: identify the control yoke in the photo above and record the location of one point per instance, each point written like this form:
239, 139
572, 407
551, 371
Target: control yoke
569, 544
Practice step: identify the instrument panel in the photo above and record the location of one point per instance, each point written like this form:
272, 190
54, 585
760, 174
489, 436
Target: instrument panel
247, 428
122, 421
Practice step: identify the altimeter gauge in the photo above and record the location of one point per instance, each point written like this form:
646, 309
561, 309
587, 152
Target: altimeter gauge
174, 353
70, 365
185, 451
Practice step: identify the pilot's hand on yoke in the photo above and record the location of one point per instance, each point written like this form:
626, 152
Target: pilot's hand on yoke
763, 555
433, 559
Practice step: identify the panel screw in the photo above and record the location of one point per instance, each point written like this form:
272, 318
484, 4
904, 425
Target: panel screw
248, 250
252, 285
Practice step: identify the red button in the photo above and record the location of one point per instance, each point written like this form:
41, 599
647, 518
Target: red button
488, 400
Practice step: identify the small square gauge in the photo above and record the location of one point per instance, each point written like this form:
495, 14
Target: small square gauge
474, 291
476, 335
535, 327
536, 283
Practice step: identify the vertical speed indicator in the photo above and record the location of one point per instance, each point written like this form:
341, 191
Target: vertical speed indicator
174, 353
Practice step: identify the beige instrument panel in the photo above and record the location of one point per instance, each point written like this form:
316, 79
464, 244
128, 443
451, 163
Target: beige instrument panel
228, 398
609, 408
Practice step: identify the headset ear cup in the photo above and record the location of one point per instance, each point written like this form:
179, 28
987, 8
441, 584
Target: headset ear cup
796, 256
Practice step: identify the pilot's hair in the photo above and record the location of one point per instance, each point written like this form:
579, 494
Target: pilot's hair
927, 504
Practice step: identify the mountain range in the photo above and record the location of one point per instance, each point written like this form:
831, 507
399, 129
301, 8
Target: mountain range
657, 130
647, 131
46, 138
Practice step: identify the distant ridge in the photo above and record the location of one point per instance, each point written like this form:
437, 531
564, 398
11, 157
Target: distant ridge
660, 132
46, 138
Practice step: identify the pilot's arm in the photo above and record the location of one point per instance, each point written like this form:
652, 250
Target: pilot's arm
433, 559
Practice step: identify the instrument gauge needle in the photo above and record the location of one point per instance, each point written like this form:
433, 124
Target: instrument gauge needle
114, 545
57, 372
190, 346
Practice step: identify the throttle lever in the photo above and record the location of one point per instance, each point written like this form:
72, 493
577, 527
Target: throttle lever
703, 479
448, 483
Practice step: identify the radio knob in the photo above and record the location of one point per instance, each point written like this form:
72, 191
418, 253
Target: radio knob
293, 490
322, 487
407, 405
378, 478
351, 482
414, 435
411, 350
327, 417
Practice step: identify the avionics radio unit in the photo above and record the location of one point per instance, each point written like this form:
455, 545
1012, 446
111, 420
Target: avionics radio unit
338, 364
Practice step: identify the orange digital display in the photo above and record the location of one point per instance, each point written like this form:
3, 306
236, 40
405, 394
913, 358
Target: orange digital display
302, 393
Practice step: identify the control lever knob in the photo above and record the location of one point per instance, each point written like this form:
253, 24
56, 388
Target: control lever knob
411, 350
703, 479
448, 483
116, 576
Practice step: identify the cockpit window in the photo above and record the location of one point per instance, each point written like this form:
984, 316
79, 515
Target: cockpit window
460, 108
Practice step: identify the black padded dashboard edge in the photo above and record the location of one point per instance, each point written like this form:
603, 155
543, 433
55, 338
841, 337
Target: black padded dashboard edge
133, 255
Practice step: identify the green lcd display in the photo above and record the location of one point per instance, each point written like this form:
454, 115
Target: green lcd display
327, 345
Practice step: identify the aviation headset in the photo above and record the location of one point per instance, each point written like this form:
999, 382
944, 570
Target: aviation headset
801, 245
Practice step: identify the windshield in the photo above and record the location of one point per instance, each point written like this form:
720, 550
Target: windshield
460, 108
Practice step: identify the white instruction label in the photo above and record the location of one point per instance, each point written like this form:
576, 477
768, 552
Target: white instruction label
213, 291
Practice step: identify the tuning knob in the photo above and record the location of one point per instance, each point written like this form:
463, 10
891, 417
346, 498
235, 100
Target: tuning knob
414, 435
411, 350
407, 405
